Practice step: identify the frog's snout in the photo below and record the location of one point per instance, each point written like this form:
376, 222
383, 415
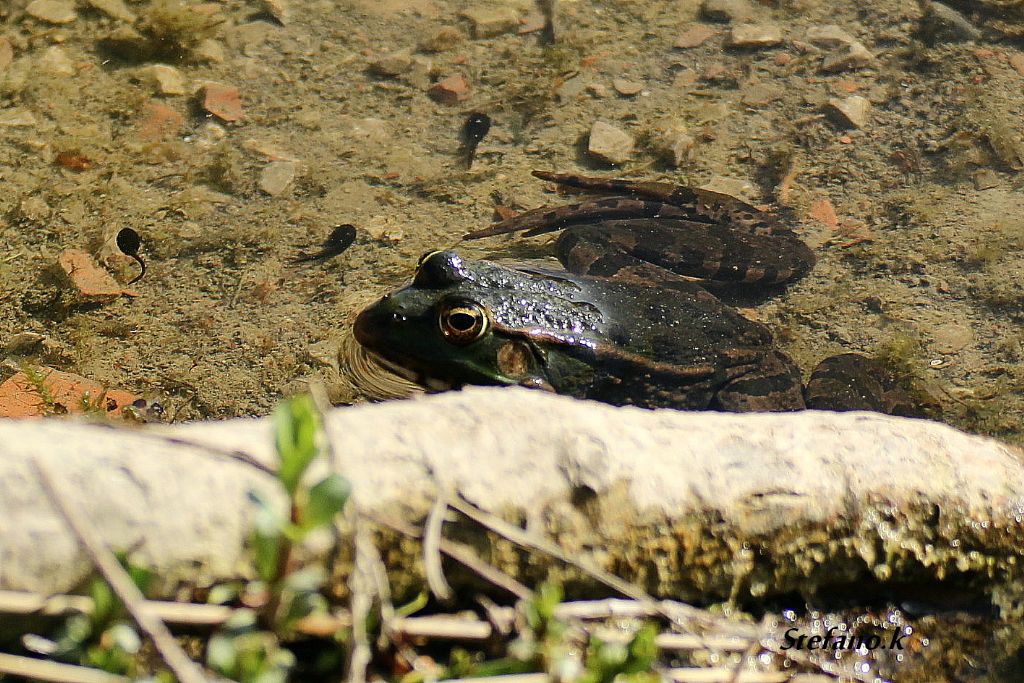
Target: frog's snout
373, 325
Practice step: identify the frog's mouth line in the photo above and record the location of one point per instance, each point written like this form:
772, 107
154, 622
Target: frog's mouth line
413, 375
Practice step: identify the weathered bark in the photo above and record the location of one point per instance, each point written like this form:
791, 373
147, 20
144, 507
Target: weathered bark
690, 505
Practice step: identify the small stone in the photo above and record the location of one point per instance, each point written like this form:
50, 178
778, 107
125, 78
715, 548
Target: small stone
159, 122
693, 35
852, 112
17, 118
6, 53
1016, 61
754, 36
571, 88
627, 88
56, 61
941, 23
726, 10
392, 64
675, 145
736, 188
371, 130
209, 135
277, 176
383, 230
717, 73
985, 179
52, 11
115, 9
23, 343
829, 35
951, 338
34, 209
223, 101
598, 90
451, 90
684, 79
610, 144
853, 56
760, 94
420, 72
209, 50
278, 9
531, 23
442, 40
167, 79
488, 22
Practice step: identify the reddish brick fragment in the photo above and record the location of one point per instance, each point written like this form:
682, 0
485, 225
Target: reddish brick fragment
823, 212
55, 392
159, 122
223, 101
451, 90
89, 279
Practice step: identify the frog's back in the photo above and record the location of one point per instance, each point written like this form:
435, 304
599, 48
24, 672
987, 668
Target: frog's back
675, 346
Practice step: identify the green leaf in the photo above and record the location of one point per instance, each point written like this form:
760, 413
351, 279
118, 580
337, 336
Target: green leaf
267, 537
141, 577
103, 600
221, 655
541, 610
223, 593
326, 499
306, 580
296, 426
414, 606
642, 650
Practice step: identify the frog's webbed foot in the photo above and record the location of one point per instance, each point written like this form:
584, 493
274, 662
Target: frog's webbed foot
774, 385
851, 381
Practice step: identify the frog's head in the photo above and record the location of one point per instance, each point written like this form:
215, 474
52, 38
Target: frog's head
460, 322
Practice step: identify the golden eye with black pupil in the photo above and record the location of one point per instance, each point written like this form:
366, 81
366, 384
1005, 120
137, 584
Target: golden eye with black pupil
463, 322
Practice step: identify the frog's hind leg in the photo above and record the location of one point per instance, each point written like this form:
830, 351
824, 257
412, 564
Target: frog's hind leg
696, 204
662, 192
593, 211
774, 386
851, 381
691, 250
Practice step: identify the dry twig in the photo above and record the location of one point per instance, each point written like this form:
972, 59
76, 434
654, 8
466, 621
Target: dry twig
463, 555
432, 551
44, 670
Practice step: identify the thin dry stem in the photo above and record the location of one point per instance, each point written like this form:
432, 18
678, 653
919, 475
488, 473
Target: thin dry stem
436, 581
184, 669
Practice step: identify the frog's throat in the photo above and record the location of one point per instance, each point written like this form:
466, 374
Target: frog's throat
429, 382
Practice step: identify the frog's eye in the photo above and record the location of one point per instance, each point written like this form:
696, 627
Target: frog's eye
463, 322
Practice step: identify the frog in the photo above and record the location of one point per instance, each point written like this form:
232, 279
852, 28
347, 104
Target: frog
630, 319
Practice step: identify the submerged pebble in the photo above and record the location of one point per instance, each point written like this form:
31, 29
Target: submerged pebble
610, 144
52, 11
